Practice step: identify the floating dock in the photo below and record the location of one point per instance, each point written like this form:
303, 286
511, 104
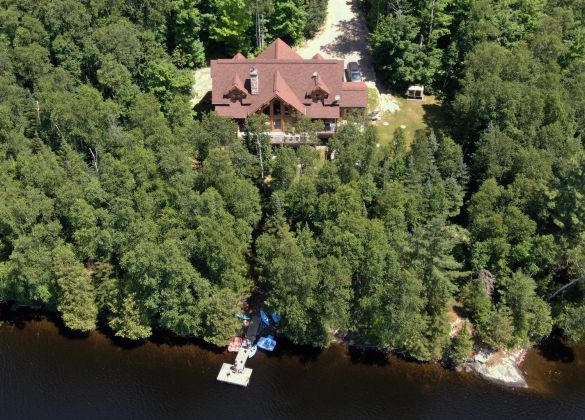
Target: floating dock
227, 375
238, 373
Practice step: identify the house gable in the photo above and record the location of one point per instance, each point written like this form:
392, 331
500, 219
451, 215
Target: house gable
237, 90
279, 50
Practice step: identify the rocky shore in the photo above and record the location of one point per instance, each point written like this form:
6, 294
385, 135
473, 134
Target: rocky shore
499, 367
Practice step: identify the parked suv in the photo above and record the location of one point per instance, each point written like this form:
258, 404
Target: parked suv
353, 72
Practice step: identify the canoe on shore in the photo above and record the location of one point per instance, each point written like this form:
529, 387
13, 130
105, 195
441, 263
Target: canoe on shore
265, 319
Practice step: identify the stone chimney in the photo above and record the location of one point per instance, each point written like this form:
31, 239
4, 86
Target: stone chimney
254, 84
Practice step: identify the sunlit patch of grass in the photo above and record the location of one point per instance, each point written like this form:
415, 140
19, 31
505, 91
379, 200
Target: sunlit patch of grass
373, 99
412, 116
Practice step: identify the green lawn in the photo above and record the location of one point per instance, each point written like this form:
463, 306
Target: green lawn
414, 116
373, 98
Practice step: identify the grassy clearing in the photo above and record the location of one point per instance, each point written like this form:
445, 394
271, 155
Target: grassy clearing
201, 84
373, 99
414, 116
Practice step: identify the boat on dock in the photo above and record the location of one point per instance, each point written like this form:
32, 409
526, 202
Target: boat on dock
252, 351
238, 373
235, 345
267, 343
264, 317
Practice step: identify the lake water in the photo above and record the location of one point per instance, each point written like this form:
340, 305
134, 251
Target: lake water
46, 373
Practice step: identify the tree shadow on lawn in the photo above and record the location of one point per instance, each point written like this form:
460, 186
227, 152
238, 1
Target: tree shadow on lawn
435, 117
204, 105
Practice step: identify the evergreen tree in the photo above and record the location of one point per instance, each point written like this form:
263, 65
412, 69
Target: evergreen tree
461, 347
76, 300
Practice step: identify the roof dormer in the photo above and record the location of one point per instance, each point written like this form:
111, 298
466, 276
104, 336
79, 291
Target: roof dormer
317, 90
236, 91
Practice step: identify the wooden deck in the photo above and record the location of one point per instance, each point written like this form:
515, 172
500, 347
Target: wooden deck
228, 376
252, 330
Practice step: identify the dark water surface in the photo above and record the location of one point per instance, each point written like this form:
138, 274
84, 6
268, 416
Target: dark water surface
46, 374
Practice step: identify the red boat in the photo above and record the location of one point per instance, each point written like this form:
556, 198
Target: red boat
235, 345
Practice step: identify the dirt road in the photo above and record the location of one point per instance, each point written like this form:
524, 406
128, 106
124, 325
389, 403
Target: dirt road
344, 36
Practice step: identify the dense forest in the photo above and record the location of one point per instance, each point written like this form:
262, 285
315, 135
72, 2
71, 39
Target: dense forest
114, 201
513, 76
119, 203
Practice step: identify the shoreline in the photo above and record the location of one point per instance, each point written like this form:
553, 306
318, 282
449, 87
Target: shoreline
501, 367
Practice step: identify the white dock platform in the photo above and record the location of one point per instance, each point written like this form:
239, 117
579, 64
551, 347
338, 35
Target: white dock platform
238, 373
228, 376
241, 358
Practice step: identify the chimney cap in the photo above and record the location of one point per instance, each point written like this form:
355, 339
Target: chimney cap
253, 71
315, 74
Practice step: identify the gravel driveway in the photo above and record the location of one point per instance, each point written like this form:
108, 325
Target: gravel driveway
343, 36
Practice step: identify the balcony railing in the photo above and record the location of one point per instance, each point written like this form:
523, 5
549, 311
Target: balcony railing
277, 138
283, 138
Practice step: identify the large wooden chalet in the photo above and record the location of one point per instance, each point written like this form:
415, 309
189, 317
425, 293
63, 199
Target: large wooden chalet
283, 85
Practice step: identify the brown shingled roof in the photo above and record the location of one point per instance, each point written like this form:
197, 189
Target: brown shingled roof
353, 96
236, 85
281, 90
235, 110
284, 74
317, 83
279, 49
239, 56
323, 112
318, 56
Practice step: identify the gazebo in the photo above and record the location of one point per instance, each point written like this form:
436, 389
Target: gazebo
415, 92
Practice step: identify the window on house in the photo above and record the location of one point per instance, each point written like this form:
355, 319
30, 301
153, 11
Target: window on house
277, 124
276, 107
318, 96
